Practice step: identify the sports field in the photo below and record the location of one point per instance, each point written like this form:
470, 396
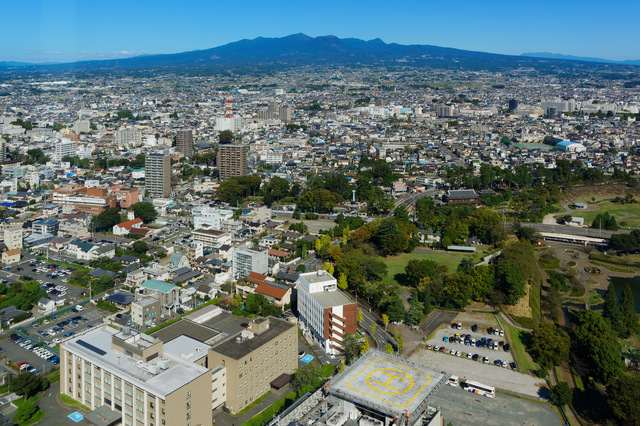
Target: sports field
396, 264
629, 213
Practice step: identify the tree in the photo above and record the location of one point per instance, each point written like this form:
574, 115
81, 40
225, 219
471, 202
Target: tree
561, 394
226, 136
360, 317
140, 247
373, 328
623, 396
599, 346
27, 384
145, 211
416, 312
418, 269
395, 309
629, 315
550, 345
351, 344
611, 311
342, 282
365, 346
510, 280
107, 219
398, 335
25, 411
427, 299
389, 349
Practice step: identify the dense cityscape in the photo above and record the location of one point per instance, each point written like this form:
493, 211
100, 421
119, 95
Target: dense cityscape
330, 244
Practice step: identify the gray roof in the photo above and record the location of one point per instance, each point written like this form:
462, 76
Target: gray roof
188, 328
329, 299
234, 350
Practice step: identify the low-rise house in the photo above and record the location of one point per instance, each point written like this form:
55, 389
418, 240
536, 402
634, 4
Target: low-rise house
125, 228
46, 306
10, 257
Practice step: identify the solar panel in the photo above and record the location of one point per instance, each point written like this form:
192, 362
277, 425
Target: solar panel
91, 347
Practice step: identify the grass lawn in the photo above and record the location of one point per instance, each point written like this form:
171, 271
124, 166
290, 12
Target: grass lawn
522, 358
70, 401
396, 264
629, 213
595, 298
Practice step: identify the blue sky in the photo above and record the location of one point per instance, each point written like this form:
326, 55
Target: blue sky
66, 30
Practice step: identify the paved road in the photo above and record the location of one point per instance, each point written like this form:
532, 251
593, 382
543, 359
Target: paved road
464, 408
56, 412
381, 337
571, 230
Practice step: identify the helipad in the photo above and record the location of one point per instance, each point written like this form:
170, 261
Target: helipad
392, 385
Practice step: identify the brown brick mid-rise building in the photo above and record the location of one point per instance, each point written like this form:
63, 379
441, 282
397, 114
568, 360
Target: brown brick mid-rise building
184, 142
254, 358
328, 312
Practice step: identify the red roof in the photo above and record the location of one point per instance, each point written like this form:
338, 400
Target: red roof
139, 231
278, 253
256, 278
271, 291
129, 224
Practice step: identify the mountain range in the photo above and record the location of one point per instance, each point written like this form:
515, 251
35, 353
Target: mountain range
548, 55
300, 49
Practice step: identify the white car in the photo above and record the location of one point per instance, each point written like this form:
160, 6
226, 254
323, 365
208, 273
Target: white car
56, 341
452, 352
65, 280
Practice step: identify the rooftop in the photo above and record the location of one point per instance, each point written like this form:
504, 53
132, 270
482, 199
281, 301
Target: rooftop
189, 329
388, 384
96, 347
239, 349
317, 277
158, 285
329, 299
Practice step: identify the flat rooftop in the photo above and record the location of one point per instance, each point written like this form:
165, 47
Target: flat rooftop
388, 384
187, 328
95, 346
329, 299
238, 350
314, 277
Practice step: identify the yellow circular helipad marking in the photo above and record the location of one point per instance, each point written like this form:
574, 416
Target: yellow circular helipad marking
391, 381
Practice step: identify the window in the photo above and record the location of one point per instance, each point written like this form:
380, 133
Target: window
188, 416
151, 404
188, 394
188, 405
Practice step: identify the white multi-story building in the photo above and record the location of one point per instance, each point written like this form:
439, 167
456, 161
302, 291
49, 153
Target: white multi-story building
128, 136
65, 148
326, 311
247, 260
209, 216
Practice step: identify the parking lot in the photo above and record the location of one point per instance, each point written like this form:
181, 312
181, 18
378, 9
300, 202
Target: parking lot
492, 354
26, 269
92, 317
489, 374
461, 408
16, 354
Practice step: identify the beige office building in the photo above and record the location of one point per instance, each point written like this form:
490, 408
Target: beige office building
232, 160
254, 358
137, 376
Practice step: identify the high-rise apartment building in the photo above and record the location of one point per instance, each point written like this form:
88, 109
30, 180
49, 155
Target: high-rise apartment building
157, 176
3, 150
184, 142
232, 160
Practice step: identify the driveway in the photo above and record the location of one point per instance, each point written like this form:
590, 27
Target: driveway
56, 412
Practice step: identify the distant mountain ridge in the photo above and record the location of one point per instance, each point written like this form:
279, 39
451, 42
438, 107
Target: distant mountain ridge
548, 55
300, 49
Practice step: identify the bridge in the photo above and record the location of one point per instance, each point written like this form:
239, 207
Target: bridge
574, 239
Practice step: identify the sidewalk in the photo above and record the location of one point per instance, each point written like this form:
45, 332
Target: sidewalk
225, 419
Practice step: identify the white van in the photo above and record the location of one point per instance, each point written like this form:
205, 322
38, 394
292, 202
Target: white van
79, 308
453, 381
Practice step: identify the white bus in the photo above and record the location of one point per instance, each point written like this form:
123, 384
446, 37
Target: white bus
453, 381
480, 389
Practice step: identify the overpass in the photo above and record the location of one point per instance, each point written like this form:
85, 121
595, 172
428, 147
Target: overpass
574, 239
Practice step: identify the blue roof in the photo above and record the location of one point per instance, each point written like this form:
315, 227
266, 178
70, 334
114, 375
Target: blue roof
565, 143
162, 286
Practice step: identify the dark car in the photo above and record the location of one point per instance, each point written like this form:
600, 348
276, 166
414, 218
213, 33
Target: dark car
474, 327
513, 366
506, 347
118, 315
490, 330
475, 357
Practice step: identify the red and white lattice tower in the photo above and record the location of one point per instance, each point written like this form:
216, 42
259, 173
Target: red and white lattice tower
228, 109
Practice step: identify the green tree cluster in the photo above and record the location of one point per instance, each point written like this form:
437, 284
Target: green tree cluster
237, 189
27, 385
145, 211
605, 221
550, 345
598, 346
